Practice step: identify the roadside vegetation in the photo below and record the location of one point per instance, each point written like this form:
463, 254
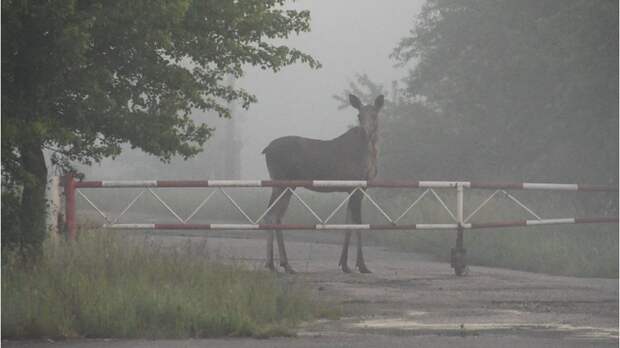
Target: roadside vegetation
109, 285
587, 250
530, 95
558, 250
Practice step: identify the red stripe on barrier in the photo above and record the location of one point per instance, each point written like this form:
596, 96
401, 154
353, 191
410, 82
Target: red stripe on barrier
599, 188
182, 183
499, 224
286, 227
286, 183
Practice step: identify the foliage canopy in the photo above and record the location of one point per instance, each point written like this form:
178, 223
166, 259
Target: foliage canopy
80, 78
511, 89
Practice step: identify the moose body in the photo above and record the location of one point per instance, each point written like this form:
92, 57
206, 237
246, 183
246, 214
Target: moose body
351, 156
313, 159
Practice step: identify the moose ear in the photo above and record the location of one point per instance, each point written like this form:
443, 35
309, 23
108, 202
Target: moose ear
355, 101
379, 102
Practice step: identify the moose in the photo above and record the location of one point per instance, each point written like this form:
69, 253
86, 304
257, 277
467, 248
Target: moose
350, 156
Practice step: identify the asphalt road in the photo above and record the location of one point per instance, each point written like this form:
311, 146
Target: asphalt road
410, 300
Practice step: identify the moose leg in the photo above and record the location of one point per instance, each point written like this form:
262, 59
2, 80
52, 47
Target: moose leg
361, 265
344, 255
269, 263
283, 258
269, 219
356, 215
272, 217
350, 218
279, 211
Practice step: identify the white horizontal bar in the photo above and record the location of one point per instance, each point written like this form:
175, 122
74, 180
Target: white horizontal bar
129, 183
437, 226
339, 183
130, 226
444, 184
550, 221
234, 227
234, 183
342, 227
542, 186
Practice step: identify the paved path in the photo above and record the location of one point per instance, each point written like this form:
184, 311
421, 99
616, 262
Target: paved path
410, 300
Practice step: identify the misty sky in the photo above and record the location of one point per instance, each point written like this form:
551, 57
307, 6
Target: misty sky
348, 37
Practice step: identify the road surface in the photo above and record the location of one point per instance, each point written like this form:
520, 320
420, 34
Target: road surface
410, 300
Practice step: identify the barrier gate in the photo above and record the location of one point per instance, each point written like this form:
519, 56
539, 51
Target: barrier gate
460, 221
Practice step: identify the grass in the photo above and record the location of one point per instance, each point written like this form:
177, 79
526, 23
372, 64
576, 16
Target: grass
557, 250
108, 285
572, 250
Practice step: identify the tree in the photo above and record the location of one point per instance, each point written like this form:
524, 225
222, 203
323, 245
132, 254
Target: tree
529, 87
412, 135
80, 78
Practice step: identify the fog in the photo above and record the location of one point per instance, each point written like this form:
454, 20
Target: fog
507, 93
348, 37
478, 133
482, 91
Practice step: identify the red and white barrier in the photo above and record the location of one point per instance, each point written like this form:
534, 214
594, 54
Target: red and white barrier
377, 227
459, 221
343, 184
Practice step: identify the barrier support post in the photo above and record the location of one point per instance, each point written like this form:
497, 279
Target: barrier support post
457, 254
70, 206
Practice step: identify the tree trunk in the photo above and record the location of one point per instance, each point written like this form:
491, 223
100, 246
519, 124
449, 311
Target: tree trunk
32, 211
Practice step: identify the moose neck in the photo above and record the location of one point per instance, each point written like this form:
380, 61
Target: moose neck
373, 152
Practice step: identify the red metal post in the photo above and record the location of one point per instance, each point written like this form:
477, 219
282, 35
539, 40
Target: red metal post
70, 206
